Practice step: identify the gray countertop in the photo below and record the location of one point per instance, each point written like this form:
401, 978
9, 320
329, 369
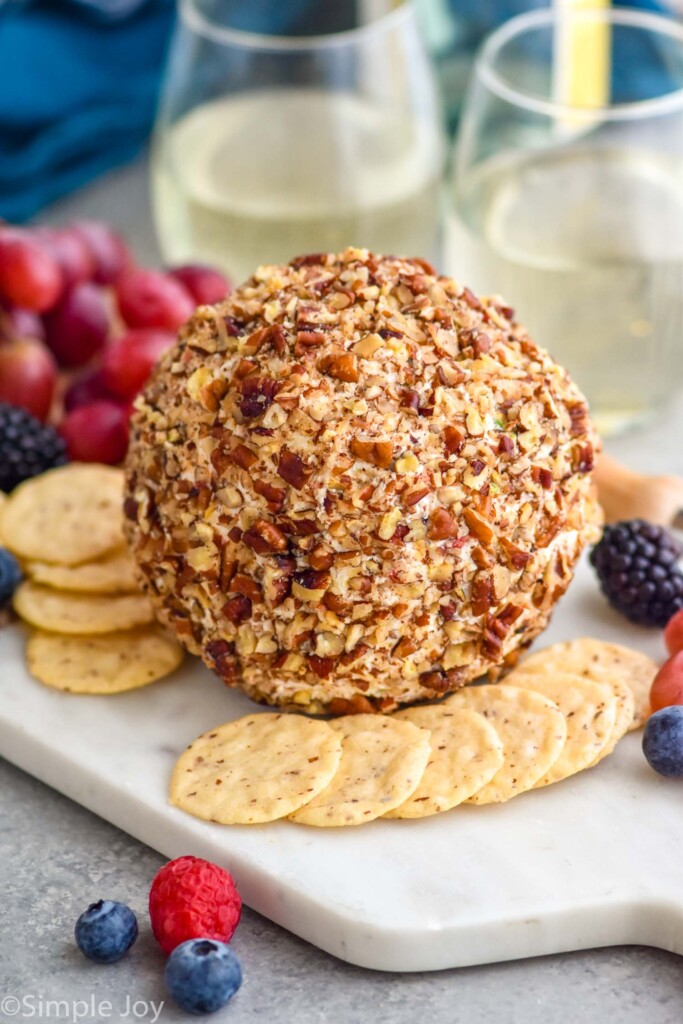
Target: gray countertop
55, 858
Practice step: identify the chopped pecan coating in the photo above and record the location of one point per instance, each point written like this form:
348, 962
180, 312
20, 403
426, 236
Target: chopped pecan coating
354, 484
292, 469
443, 525
310, 579
342, 365
273, 495
242, 456
237, 609
264, 537
258, 394
454, 438
321, 558
321, 666
377, 453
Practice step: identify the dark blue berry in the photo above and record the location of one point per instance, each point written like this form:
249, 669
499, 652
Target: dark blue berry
663, 741
27, 447
10, 575
106, 931
636, 563
202, 975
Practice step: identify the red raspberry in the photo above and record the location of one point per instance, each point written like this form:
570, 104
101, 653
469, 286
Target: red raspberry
191, 898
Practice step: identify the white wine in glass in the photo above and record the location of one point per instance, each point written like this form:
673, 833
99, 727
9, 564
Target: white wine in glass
575, 214
261, 174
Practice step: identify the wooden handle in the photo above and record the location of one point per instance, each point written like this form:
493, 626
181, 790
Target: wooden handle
625, 494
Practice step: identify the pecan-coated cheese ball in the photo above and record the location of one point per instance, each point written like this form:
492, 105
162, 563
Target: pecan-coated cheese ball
354, 485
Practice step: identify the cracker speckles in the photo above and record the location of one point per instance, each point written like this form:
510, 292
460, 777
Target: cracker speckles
590, 710
466, 752
60, 611
255, 769
67, 516
531, 728
112, 663
113, 574
603, 662
382, 762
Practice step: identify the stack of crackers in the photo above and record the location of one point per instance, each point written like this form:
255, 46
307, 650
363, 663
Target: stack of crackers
93, 631
562, 711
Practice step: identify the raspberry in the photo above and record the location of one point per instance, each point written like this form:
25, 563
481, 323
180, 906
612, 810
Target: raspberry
191, 898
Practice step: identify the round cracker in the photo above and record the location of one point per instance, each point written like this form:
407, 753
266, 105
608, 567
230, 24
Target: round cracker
58, 611
68, 515
531, 728
113, 574
255, 769
110, 663
466, 753
602, 661
590, 709
382, 762
624, 717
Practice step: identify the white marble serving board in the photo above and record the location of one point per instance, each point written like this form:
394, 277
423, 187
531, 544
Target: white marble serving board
596, 860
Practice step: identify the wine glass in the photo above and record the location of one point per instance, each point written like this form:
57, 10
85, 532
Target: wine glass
568, 196
268, 146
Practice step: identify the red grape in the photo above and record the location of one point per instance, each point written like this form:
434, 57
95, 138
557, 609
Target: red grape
673, 633
108, 251
71, 253
205, 285
20, 323
79, 326
96, 433
128, 362
667, 688
29, 274
148, 298
28, 374
86, 390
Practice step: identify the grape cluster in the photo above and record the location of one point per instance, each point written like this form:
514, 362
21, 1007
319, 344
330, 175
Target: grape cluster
81, 327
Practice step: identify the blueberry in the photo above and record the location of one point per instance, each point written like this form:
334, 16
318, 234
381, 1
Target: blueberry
10, 575
202, 975
106, 931
663, 741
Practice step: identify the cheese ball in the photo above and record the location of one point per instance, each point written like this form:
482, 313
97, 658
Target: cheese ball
354, 485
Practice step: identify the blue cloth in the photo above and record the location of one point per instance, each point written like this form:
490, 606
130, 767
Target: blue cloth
643, 67
79, 86
79, 78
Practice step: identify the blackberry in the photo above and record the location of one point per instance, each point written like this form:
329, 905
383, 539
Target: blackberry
636, 563
27, 446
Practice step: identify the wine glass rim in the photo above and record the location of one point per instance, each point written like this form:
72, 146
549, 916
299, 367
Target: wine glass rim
191, 14
521, 23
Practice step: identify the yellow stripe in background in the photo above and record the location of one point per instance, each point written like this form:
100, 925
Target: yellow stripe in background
582, 56
371, 10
